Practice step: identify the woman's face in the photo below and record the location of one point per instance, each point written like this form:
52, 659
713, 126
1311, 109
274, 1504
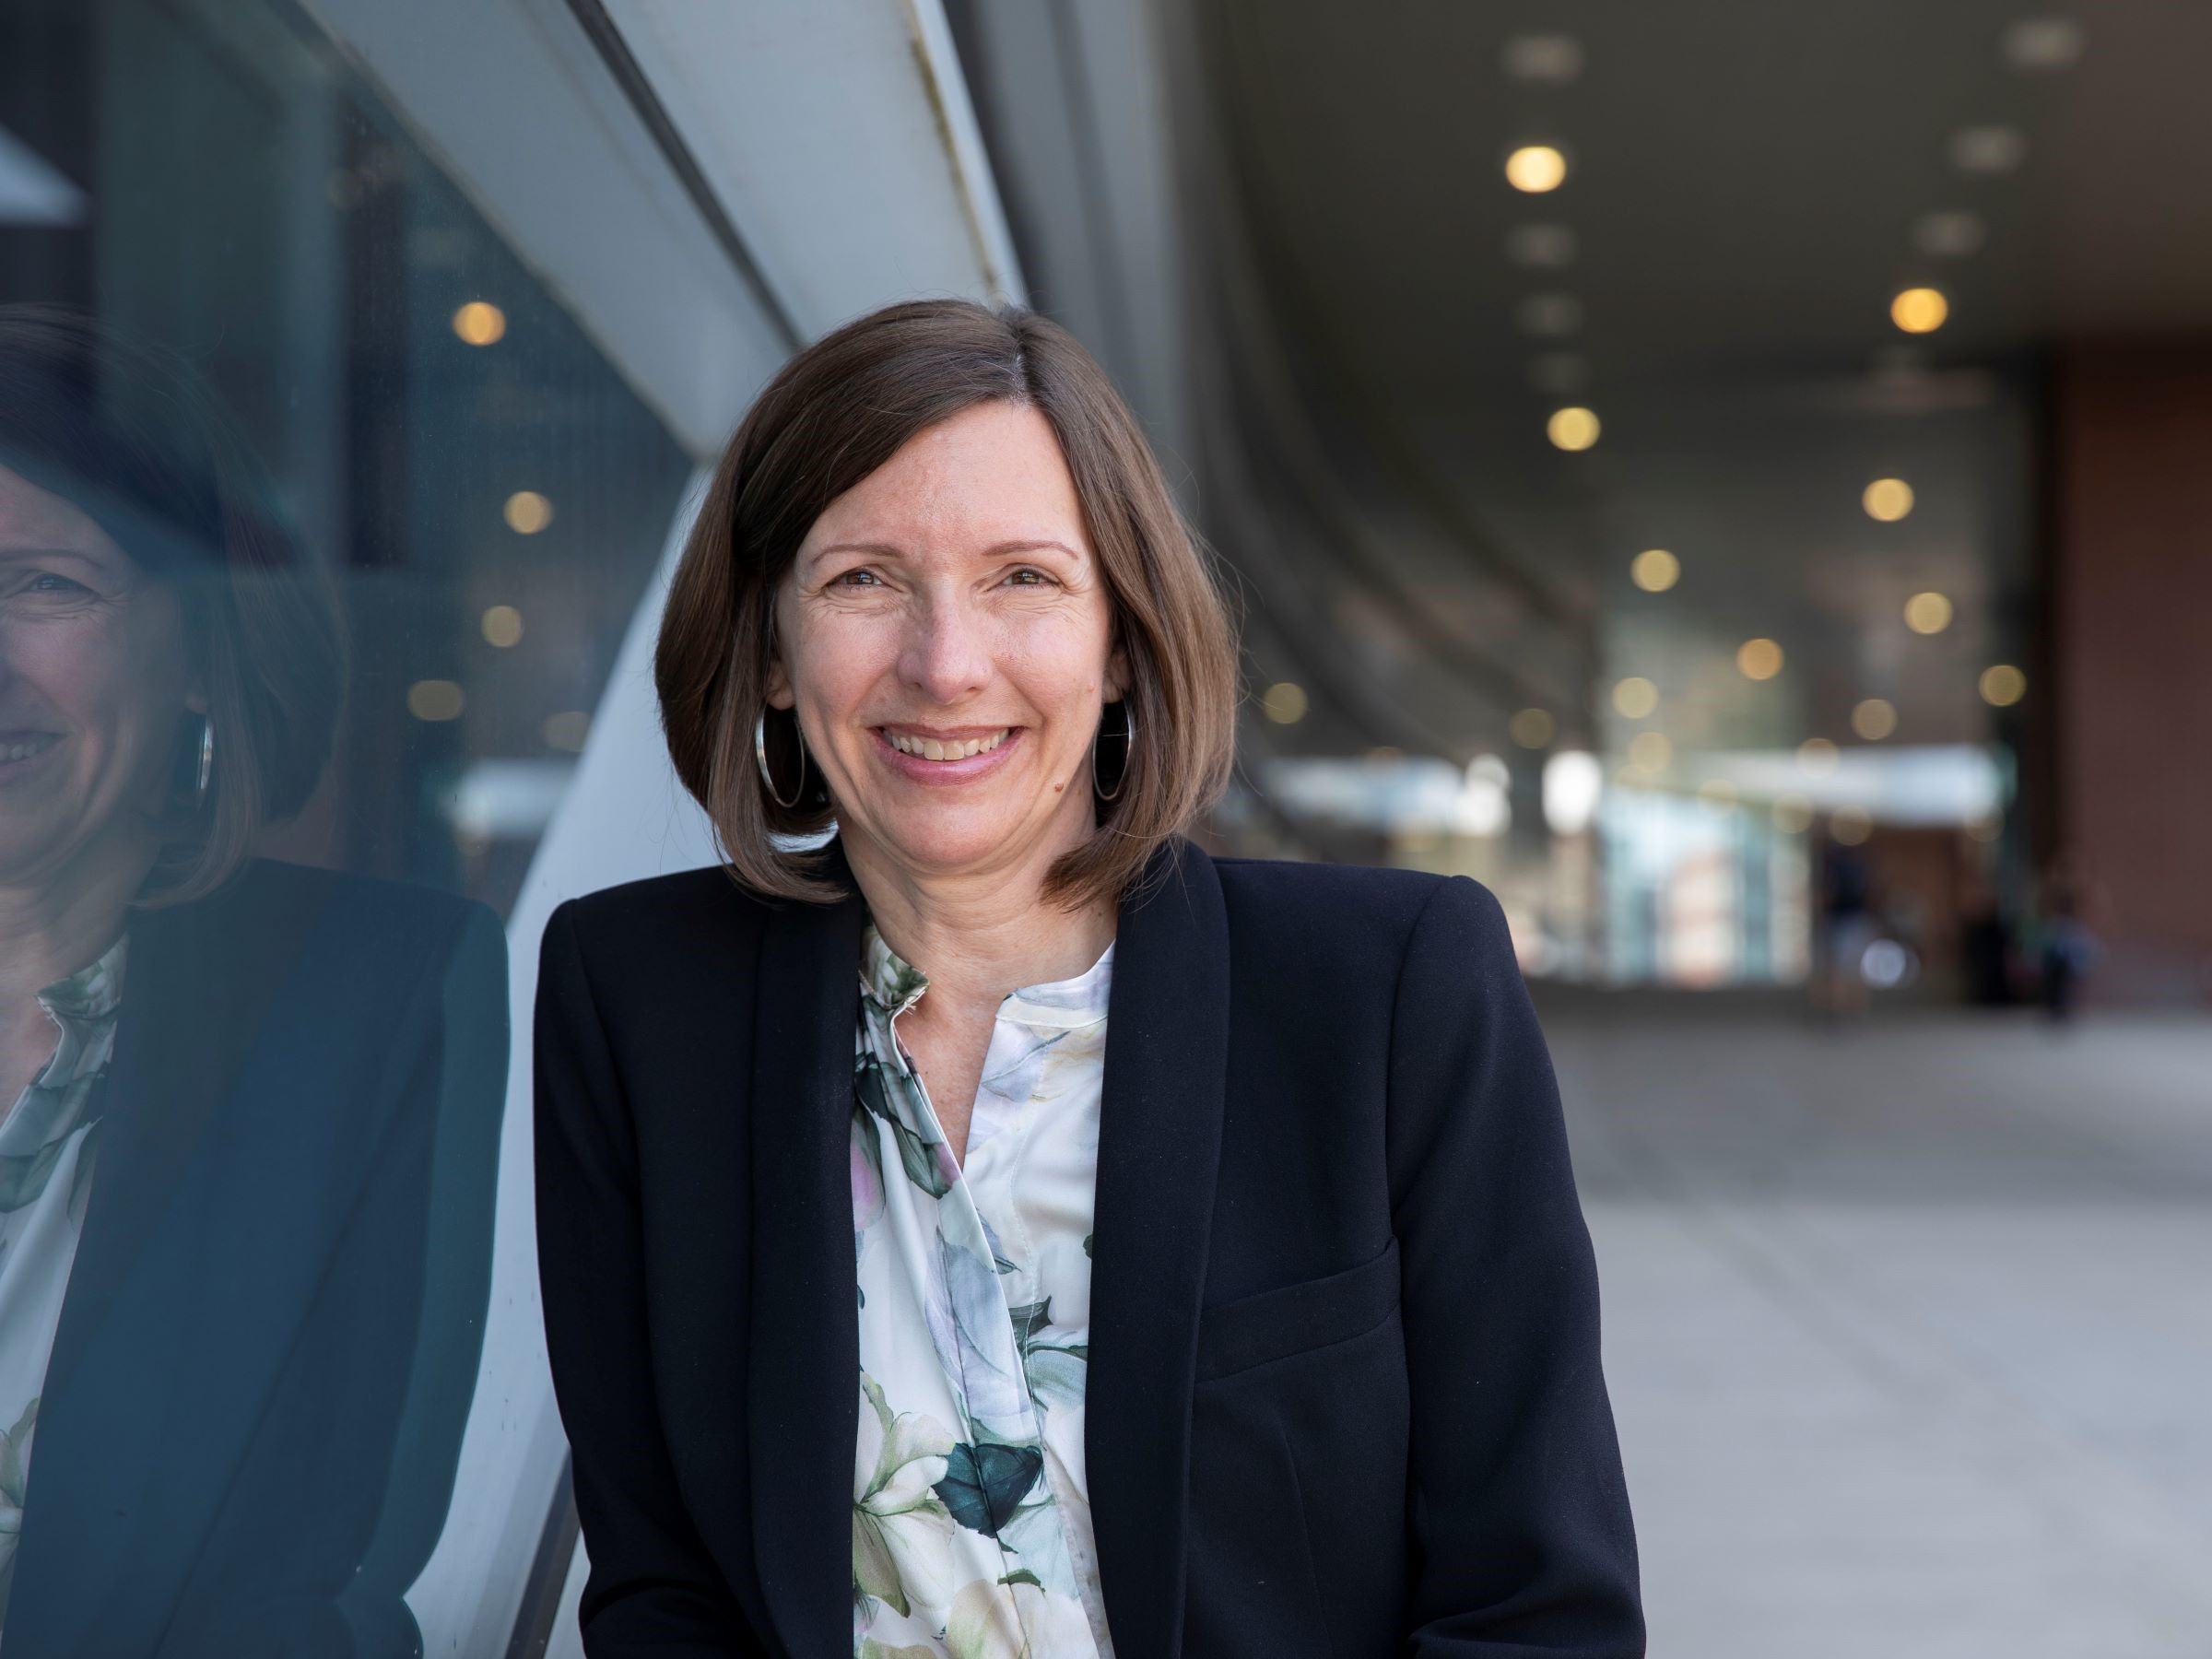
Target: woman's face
946, 638
93, 683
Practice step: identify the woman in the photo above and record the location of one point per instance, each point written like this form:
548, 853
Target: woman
1009, 1230
237, 1341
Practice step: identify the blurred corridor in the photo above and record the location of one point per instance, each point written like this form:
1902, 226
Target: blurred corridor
1906, 1329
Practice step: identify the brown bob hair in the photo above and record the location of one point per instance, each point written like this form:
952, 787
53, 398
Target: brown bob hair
839, 410
130, 436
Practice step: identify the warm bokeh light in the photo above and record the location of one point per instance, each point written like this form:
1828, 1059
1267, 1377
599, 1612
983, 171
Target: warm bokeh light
567, 730
527, 513
1636, 698
1920, 309
1758, 659
1717, 793
1988, 149
436, 699
1546, 60
480, 322
1816, 757
1888, 499
1851, 826
1285, 702
2002, 684
1541, 247
1651, 751
1572, 428
1532, 728
1875, 719
1655, 570
503, 625
1928, 613
1793, 815
1536, 169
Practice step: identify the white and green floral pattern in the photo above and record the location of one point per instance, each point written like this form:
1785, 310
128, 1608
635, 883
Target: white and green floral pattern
48, 1141
971, 1535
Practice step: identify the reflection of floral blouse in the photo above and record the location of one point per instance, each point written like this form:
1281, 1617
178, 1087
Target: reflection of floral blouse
972, 1535
47, 1145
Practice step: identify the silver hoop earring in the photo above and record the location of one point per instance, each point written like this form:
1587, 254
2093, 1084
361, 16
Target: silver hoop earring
1129, 755
205, 778
760, 760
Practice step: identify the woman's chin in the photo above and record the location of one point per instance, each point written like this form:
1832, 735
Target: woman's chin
963, 840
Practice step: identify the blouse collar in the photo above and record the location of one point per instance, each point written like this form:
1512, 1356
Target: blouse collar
891, 986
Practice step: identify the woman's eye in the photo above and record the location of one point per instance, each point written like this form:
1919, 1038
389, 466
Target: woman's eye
1030, 578
46, 581
857, 579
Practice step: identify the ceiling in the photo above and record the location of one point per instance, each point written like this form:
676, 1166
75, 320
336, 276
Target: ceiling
1745, 180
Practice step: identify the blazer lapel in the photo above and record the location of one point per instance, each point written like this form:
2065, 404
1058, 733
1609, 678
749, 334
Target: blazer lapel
804, 1364
1159, 1143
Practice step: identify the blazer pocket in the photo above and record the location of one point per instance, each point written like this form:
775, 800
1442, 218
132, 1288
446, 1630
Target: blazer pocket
1274, 1324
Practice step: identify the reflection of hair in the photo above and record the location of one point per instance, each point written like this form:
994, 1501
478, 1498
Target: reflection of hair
837, 412
130, 437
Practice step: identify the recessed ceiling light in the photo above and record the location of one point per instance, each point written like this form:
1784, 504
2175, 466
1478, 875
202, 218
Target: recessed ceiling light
1655, 570
1988, 149
1886, 500
2042, 45
1928, 613
1920, 309
1548, 60
1558, 374
1549, 316
1949, 234
1572, 428
1541, 247
1536, 169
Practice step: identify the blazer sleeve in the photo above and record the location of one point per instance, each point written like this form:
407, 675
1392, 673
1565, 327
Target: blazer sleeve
1524, 1544
653, 1588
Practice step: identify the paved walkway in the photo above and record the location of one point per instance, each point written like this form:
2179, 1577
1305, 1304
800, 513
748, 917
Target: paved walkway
1909, 1328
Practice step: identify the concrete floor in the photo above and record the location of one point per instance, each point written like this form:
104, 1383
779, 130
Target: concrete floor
1909, 1329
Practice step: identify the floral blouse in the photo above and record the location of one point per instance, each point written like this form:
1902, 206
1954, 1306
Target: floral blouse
972, 1533
47, 1145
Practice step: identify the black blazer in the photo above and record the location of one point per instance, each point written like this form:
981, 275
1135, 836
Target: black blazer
1344, 1394
267, 1349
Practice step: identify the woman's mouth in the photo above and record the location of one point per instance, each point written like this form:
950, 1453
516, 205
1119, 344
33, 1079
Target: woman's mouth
953, 757
954, 748
25, 745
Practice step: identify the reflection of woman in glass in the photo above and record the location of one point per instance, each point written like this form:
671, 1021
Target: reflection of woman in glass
236, 1337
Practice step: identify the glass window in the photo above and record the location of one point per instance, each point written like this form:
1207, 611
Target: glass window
322, 524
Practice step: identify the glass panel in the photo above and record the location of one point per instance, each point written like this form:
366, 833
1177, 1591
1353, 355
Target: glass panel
321, 525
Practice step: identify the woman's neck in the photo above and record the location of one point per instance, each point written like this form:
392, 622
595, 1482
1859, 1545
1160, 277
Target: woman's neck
980, 937
53, 923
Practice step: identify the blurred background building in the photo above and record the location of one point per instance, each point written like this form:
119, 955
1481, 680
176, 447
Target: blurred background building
1732, 477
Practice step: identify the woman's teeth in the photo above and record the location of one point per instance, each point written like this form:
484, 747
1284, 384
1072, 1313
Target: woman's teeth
929, 748
26, 747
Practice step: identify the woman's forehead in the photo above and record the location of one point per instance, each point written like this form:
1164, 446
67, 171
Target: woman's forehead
990, 475
34, 518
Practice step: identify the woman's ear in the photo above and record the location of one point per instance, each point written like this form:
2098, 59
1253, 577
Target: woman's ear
779, 694
1118, 676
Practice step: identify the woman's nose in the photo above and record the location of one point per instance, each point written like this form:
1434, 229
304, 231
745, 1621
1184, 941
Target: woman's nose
945, 655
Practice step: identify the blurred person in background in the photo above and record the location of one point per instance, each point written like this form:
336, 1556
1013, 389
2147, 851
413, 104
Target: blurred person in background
237, 1335
1848, 925
1009, 1230
2065, 946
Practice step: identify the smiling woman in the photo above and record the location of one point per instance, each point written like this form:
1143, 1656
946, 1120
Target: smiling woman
898, 1309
